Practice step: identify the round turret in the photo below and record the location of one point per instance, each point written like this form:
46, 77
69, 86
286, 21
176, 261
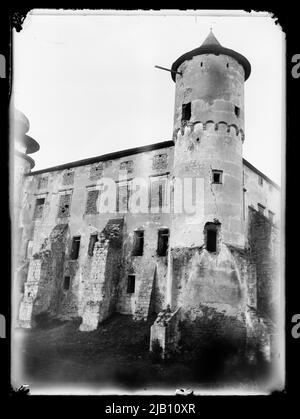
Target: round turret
208, 134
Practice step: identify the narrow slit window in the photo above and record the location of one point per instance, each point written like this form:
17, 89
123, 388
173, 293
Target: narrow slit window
93, 240
67, 281
75, 247
186, 112
217, 176
130, 284
237, 111
260, 181
163, 242
138, 243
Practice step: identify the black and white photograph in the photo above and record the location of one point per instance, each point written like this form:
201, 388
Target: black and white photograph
148, 199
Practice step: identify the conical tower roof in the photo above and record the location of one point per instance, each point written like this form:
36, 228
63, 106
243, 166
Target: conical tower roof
212, 46
211, 40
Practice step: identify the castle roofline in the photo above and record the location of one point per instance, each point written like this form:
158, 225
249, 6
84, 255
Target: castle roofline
130, 152
105, 157
212, 46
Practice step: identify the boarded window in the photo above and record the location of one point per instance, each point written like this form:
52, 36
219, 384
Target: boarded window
160, 162
39, 207
123, 195
67, 281
68, 177
138, 243
158, 191
64, 205
217, 176
93, 240
43, 182
96, 171
186, 112
261, 209
127, 165
163, 241
75, 247
130, 284
91, 202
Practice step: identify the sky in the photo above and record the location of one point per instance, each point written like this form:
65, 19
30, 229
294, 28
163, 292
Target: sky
88, 85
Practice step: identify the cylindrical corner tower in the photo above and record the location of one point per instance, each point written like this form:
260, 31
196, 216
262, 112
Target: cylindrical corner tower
23, 145
208, 135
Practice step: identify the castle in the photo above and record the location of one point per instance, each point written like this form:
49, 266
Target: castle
212, 272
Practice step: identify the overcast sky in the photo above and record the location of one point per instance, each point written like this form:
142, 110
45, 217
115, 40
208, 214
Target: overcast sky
88, 84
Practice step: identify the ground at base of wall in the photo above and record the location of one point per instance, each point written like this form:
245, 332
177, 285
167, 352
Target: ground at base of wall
116, 354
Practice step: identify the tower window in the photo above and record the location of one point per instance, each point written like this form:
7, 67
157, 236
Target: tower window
217, 176
163, 241
138, 243
130, 284
93, 240
186, 112
211, 231
261, 209
211, 241
260, 181
75, 247
237, 111
67, 282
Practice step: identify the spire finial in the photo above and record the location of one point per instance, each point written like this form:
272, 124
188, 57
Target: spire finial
211, 39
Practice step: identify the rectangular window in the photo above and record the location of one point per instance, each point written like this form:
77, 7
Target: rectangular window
138, 243
261, 209
43, 182
159, 198
93, 240
67, 281
127, 166
271, 216
237, 111
123, 195
130, 284
211, 243
96, 171
186, 112
163, 241
91, 202
217, 176
39, 207
68, 177
260, 181
75, 247
64, 205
